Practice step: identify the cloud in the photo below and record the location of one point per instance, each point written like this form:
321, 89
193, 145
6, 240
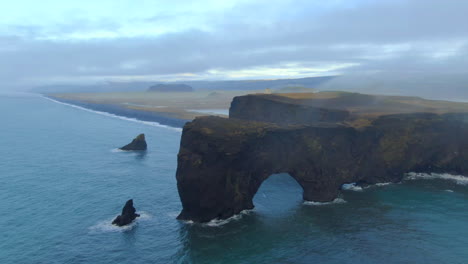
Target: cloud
241, 40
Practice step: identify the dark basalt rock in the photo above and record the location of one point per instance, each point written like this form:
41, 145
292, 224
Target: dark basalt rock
139, 143
127, 216
222, 162
282, 111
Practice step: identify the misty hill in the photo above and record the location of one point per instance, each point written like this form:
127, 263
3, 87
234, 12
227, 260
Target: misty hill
295, 89
168, 87
441, 86
310, 82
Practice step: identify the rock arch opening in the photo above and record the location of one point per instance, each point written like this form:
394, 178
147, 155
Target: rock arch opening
278, 194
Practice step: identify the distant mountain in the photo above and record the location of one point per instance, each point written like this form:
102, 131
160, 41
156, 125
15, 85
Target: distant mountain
430, 85
310, 82
169, 87
294, 89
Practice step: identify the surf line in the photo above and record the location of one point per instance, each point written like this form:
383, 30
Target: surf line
149, 123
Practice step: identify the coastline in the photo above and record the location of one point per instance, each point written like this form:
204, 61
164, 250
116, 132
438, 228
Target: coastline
118, 110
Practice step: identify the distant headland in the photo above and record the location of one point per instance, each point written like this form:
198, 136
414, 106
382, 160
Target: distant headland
323, 140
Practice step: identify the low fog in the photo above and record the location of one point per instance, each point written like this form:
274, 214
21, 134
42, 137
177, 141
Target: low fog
413, 47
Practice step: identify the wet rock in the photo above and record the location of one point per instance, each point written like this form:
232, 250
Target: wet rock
222, 162
127, 216
139, 143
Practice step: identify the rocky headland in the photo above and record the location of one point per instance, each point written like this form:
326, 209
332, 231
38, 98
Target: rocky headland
321, 140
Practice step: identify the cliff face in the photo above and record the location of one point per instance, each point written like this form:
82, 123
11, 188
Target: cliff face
280, 110
222, 162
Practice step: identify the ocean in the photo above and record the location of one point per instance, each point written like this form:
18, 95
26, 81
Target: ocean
62, 181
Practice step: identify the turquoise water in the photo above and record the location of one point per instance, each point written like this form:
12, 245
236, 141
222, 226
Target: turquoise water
62, 182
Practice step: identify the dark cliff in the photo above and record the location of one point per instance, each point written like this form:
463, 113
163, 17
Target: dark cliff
283, 111
222, 162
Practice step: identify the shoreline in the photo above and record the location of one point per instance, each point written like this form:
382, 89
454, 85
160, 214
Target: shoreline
117, 110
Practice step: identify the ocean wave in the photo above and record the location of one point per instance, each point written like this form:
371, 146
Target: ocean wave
106, 226
117, 150
149, 123
383, 184
458, 179
351, 187
221, 222
354, 187
336, 201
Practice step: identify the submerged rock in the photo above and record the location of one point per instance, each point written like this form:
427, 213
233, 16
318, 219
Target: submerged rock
127, 216
139, 143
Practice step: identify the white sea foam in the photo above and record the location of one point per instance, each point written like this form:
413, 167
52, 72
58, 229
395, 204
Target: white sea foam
116, 150
149, 123
351, 187
448, 190
221, 222
458, 179
383, 184
336, 201
354, 187
106, 226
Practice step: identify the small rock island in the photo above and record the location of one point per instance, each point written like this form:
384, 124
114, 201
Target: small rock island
322, 140
138, 144
127, 216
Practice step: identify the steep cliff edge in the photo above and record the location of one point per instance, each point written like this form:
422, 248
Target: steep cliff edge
282, 110
222, 162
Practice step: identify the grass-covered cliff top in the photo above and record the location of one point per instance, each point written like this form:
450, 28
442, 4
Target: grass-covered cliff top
369, 105
363, 107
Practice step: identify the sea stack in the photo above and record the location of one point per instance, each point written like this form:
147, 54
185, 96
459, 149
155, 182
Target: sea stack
127, 216
139, 143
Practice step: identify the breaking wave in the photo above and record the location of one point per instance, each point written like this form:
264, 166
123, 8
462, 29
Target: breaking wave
221, 222
383, 184
336, 201
106, 226
458, 179
351, 187
149, 123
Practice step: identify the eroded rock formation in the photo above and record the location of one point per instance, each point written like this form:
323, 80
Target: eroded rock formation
138, 143
127, 216
283, 111
222, 162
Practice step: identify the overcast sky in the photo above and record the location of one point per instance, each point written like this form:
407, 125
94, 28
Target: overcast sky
56, 41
